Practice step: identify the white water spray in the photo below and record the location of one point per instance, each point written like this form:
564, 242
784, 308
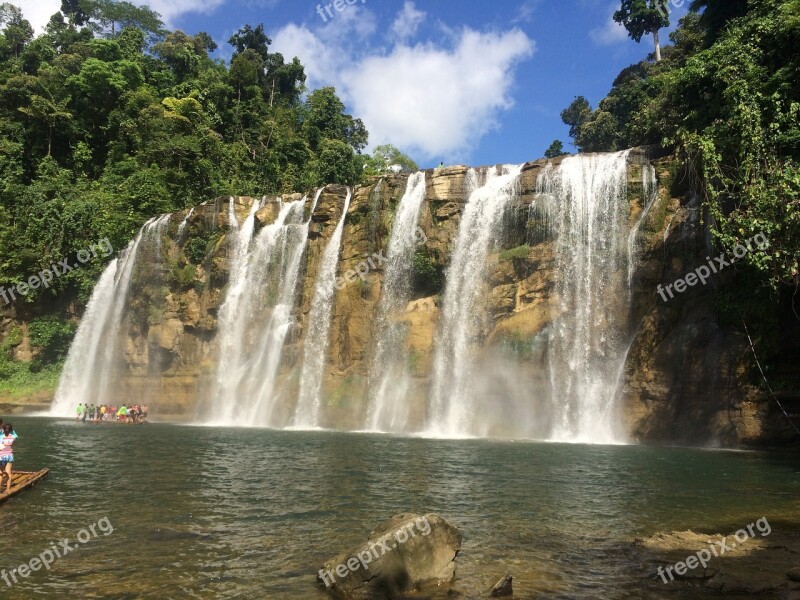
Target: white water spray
318, 335
455, 410
95, 356
586, 201
388, 377
232, 325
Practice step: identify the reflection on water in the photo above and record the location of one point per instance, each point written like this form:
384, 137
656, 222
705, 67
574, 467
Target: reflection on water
246, 513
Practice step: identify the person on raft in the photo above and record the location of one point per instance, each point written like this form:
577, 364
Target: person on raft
7, 454
14, 433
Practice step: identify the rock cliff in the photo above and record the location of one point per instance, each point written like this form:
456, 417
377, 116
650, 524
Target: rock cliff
686, 379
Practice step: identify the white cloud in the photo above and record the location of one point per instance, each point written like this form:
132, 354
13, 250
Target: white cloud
322, 62
408, 21
610, 33
172, 9
434, 101
38, 12
429, 99
327, 51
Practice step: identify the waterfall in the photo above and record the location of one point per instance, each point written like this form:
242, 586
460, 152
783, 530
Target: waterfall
649, 196
184, 223
388, 375
318, 331
232, 324
585, 200
246, 392
454, 407
94, 357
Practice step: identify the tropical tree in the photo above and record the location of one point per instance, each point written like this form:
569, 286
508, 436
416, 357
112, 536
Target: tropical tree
77, 11
48, 112
716, 14
642, 17
386, 156
17, 31
249, 38
556, 149
118, 14
576, 115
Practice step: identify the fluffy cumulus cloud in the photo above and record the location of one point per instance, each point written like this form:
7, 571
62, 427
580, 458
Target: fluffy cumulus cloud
436, 101
38, 12
429, 99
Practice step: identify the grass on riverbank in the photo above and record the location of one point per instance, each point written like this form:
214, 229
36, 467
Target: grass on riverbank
18, 381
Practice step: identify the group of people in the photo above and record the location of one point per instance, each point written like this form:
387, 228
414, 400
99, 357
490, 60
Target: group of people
7, 438
104, 412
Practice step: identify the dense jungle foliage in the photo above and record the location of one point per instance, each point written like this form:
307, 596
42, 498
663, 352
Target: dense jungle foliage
106, 119
726, 98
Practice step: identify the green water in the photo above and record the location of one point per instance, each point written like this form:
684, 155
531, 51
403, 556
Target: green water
246, 513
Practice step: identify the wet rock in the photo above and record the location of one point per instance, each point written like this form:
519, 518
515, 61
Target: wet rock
502, 588
793, 574
408, 554
758, 565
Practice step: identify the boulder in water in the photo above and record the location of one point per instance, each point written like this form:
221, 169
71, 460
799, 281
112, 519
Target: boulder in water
407, 554
502, 588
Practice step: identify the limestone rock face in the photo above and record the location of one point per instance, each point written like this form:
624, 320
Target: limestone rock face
407, 554
687, 376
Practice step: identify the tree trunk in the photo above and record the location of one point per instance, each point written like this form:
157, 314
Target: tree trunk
658, 45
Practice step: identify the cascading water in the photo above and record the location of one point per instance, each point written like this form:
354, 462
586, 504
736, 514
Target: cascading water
246, 392
184, 223
232, 326
95, 356
581, 347
318, 332
388, 376
454, 407
587, 215
649, 196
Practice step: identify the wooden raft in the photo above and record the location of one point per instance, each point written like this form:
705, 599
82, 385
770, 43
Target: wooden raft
21, 480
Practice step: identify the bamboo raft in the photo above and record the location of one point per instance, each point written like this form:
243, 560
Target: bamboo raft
21, 480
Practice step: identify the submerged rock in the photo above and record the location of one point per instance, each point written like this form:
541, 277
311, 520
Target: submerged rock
408, 554
736, 563
502, 588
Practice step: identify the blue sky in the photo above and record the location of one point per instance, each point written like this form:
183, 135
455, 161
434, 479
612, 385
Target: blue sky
471, 81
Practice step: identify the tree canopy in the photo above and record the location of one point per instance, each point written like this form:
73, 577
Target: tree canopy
107, 119
386, 158
725, 98
642, 17
555, 150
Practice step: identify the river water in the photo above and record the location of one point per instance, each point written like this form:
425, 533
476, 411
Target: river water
252, 513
